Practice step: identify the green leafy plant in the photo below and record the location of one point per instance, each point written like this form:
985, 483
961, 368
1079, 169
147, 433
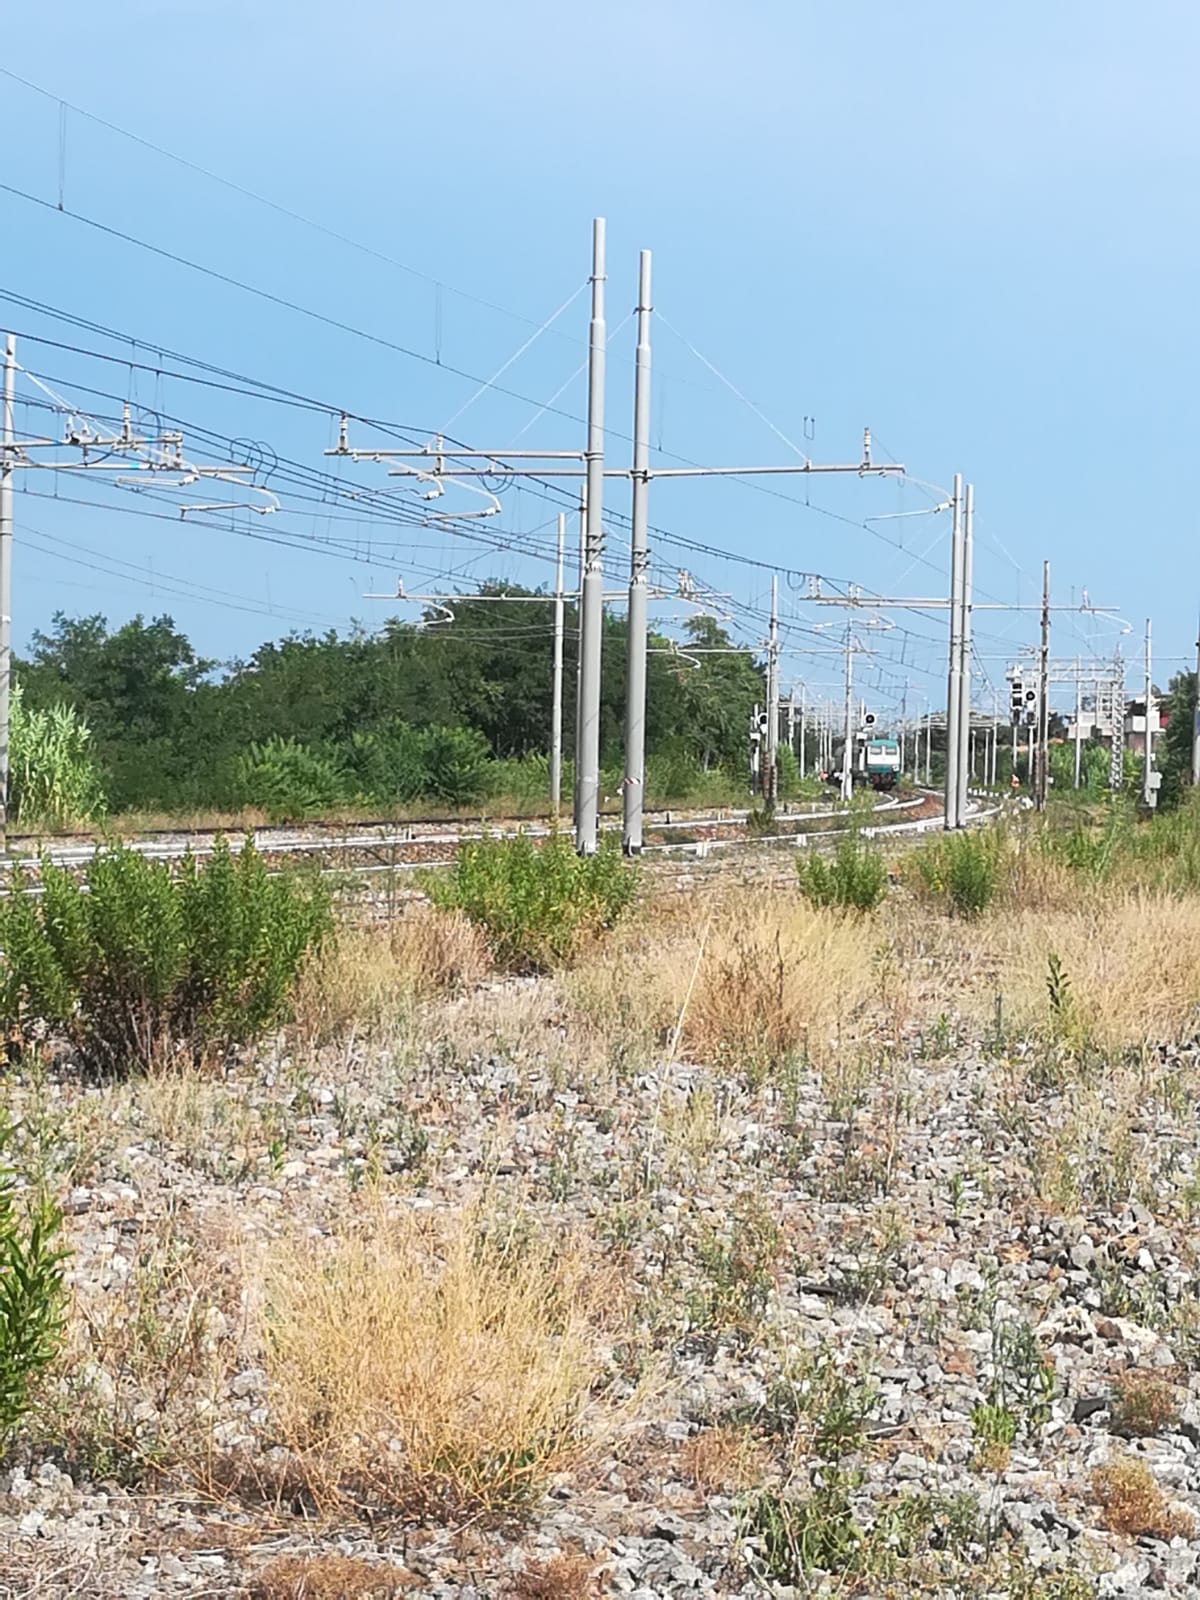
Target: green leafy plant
138, 963
289, 780
855, 877
537, 904
53, 779
31, 1294
962, 869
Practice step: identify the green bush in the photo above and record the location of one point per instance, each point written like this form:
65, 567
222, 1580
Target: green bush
31, 1295
962, 869
53, 781
457, 769
854, 876
537, 904
138, 964
289, 781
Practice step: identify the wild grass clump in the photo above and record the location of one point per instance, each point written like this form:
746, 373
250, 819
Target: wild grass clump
369, 978
138, 964
853, 878
771, 979
431, 1368
1134, 1504
537, 904
961, 870
1128, 965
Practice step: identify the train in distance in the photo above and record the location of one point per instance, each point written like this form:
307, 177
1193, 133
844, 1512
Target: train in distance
877, 764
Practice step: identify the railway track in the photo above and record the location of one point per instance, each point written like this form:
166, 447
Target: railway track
369, 851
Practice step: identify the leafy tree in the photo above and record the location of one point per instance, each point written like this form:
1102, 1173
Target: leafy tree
1175, 744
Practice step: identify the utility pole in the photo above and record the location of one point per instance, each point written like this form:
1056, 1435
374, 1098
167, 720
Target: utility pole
1196, 722
954, 686
1043, 761
578, 653
7, 451
848, 752
1149, 788
928, 747
557, 707
770, 781
1078, 731
591, 602
801, 752
965, 759
639, 560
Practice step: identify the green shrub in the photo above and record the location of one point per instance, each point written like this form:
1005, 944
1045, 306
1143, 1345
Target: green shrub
138, 963
854, 876
457, 769
288, 780
31, 1295
537, 904
388, 764
968, 869
53, 781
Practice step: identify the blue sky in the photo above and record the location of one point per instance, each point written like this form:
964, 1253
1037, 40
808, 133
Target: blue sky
973, 228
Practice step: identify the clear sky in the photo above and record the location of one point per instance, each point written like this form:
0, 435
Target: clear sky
974, 228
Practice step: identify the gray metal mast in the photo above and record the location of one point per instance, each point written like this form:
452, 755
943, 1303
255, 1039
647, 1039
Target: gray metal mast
578, 653
557, 707
848, 752
800, 755
591, 605
1196, 721
1078, 730
964, 650
953, 694
1043, 718
1148, 788
771, 755
7, 452
635, 696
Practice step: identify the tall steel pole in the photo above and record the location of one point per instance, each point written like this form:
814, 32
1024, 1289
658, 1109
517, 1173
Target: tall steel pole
639, 560
1043, 719
7, 451
965, 760
801, 753
556, 712
848, 752
770, 777
579, 643
591, 609
1078, 726
1196, 722
953, 696
1148, 763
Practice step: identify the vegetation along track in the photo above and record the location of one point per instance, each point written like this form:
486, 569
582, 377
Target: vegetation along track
390, 848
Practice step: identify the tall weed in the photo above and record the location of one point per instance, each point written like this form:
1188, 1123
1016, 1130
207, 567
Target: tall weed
537, 905
854, 878
31, 1295
138, 963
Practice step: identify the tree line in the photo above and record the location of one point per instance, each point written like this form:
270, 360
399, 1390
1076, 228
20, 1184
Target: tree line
451, 712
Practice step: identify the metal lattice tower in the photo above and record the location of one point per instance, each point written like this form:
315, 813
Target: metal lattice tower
1116, 758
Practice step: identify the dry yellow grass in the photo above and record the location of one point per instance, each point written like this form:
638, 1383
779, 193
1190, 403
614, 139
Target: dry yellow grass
725, 1459
1133, 962
1134, 1504
429, 1367
568, 1576
743, 980
371, 977
329, 1577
